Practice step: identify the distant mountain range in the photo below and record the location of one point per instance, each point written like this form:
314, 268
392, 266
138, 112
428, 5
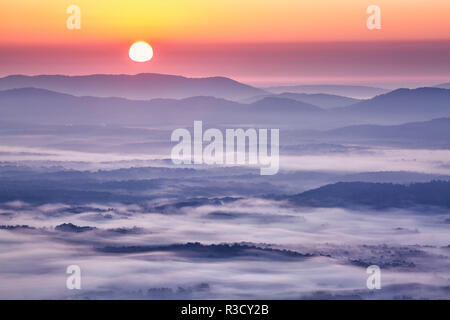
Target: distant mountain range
398, 177
325, 101
358, 92
376, 195
270, 104
433, 130
139, 86
399, 106
32, 105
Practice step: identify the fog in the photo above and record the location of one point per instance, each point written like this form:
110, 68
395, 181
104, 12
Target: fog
141, 227
34, 260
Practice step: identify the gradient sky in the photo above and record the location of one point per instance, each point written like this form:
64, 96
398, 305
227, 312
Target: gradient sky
265, 41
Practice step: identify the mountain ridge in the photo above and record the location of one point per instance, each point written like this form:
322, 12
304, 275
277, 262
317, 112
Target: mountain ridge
321, 100
31, 105
396, 107
423, 103
376, 195
352, 91
139, 86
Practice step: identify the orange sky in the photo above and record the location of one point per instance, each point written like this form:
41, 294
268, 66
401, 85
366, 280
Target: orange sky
103, 21
249, 40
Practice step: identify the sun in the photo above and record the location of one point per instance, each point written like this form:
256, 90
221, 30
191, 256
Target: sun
140, 51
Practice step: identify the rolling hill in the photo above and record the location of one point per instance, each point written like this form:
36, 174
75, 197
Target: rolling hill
139, 86
357, 92
325, 101
41, 106
31, 105
376, 195
420, 103
433, 130
271, 104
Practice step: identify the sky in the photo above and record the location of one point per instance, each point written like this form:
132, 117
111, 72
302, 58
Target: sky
265, 41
